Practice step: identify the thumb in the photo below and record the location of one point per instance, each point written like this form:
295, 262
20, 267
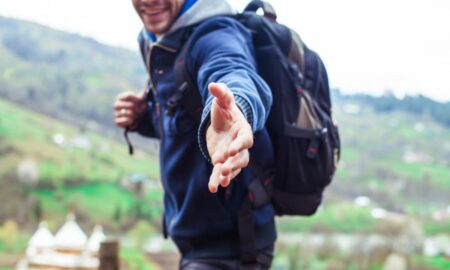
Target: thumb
141, 105
221, 109
222, 93
142, 95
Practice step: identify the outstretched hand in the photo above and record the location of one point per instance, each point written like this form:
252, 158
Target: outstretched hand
228, 138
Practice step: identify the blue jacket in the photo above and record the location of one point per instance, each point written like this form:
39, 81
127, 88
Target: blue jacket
203, 224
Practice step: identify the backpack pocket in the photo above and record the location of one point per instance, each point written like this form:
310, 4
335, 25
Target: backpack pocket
304, 164
304, 159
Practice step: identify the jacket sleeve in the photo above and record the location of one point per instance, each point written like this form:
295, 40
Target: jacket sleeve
222, 51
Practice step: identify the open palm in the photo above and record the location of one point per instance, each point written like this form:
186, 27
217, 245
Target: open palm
228, 138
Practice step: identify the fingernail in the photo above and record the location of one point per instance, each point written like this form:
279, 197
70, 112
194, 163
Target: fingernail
224, 182
212, 188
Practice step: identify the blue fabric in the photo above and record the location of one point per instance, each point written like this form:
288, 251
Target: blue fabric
192, 213
151, 36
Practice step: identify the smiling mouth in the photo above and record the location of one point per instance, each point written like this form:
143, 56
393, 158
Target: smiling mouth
151, 13
152, 10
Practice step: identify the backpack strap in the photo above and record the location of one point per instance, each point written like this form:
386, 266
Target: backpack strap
247, 234
187, 93
269, 11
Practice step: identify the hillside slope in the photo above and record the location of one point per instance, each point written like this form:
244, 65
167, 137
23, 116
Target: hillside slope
48, 168
62, 74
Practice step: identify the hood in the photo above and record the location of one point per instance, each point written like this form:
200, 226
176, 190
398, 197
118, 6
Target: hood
199, 11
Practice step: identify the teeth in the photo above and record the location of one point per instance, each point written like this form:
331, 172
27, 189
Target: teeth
152, 13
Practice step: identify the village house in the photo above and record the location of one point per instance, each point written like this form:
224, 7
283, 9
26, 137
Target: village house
69, 248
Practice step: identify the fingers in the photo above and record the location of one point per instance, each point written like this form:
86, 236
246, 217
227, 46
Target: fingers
213, 184
243, 139
119, 105
219, 157
224, 173
229, 147
130, 101
128, 106
222, 108
217, 178
131, 96
234, 163
124, 118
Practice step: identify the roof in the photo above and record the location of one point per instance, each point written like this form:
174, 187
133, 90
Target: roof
96, 238
70, 236
42, 238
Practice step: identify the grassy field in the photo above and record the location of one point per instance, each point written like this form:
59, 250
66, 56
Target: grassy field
102, 203
64, 153
394, 158
334, 216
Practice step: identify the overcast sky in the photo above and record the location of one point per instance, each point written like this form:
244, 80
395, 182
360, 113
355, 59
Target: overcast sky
367, 46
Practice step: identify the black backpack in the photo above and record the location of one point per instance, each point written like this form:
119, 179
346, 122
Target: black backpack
306, 141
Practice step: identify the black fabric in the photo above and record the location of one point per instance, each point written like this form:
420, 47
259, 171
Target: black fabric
247, 238
224, 246
269, 11
263, 262
187, 88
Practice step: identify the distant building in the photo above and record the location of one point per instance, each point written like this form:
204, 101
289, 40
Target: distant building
70, 248
351, 108
442, 214
138, 183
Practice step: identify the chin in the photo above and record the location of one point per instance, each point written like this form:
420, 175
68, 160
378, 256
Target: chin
156, 29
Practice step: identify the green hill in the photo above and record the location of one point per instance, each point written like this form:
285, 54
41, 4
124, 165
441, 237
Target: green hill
64, 75
394, 154
63, 153
48, 168
399, 161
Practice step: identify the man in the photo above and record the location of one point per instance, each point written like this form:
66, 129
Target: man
203, 166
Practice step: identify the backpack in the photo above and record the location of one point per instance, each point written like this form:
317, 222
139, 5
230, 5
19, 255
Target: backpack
305, 139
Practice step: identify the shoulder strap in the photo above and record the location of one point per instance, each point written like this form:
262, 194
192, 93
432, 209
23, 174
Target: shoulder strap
187, 93
269, 11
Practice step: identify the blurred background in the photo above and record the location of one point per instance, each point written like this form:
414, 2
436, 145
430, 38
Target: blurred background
67, 181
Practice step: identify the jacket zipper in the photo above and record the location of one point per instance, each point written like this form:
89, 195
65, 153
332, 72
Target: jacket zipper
149, 60
166, 227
